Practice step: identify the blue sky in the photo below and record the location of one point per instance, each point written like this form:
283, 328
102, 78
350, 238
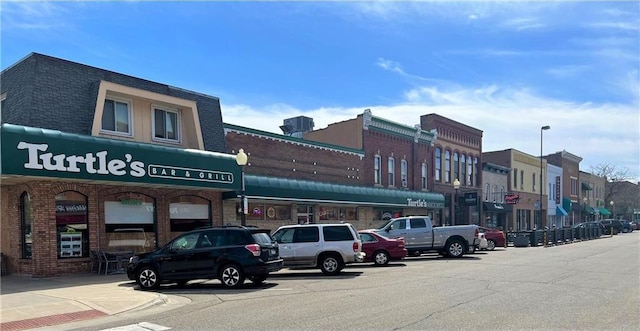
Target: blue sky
506, 68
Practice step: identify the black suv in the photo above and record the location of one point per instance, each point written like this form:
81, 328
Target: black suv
612, 224
229, 253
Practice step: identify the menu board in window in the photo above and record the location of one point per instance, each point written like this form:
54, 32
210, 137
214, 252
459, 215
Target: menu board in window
70, 244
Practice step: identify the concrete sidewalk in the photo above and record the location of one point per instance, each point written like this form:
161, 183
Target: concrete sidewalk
29, 303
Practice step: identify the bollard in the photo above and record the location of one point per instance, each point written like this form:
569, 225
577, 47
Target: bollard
611, 232
544, 236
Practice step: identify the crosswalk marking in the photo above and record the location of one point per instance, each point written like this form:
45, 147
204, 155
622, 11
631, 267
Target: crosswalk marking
142, 326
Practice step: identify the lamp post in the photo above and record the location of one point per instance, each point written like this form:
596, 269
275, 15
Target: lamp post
456, 186
241, 160
611, 204
542, 129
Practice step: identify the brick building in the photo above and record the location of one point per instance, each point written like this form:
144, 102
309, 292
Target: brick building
93, 159
396, 157
457, 154
319, 181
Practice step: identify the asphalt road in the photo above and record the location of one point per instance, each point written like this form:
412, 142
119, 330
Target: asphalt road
592, 285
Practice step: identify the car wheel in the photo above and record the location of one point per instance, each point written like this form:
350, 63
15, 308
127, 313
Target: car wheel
491, 245
147, 278
380, 258
330, 264
231, 276
625, 230
455, 248
258, 279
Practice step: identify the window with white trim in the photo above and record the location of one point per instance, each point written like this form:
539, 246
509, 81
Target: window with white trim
424, 176
392, 166
116, 117
166, 124
377, 172
438, 164
456, 166
447, 166
403, 172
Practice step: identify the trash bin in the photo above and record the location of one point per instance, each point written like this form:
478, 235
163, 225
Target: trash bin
3, 265
521, 239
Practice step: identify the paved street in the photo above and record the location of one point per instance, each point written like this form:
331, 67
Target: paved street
591, 285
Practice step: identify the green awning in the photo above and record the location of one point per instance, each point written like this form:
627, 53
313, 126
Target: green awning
285, 189
586, 187
28, 151
589, 210
604, 211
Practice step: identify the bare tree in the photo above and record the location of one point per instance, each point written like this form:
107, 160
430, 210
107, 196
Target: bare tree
618, 187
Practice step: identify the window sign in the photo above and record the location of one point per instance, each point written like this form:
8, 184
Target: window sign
116, 212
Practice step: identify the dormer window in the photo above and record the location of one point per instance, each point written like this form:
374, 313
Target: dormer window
166, 124
116, 117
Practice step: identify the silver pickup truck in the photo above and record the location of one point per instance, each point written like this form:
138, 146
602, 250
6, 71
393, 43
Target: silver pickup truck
421, 236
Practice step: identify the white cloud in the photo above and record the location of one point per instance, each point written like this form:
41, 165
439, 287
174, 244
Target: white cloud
509, 118
32, 15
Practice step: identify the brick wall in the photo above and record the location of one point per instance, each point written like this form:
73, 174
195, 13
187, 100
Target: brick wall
45, 261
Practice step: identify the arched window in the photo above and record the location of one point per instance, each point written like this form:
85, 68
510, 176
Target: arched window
447, 166
487, 192
463, 170
72, 225
424, 176
495, 193
403, 172
469, 171
130, 222
377, 170
456, 166
438, 164
392, 172
26, 225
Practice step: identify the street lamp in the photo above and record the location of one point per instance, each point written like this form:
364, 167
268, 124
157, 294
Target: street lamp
542, 129
456, 186
612, 214
241, 160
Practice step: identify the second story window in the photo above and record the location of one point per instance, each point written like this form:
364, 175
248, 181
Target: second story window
438, 164
515, 179
447, 166
377, 172
533, 178
463, 170
166, 124
469, 171
423, 180
392, 166
403, 172
456, 167
522, 179
116, 117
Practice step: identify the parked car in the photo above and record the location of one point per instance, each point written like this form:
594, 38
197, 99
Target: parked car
421, 236
627, 226
483, 243
611, 224
326, 246
380, 249
636, 225
227, 253
495, 237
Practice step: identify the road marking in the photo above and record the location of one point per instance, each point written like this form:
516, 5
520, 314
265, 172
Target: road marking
142, 326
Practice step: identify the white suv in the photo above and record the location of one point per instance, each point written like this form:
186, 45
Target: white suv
327, 246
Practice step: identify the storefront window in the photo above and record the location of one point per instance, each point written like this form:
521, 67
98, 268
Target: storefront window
331, 213
26, 224
189, 212
262, 212
387, 214
130, 222
72, 225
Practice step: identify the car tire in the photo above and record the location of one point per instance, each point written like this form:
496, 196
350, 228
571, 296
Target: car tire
147, 278
330, 264
491, 245
455, 248
231, 276
258, 279
380, 258
625, 230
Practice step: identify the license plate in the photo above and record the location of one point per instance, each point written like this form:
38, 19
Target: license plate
273, 252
